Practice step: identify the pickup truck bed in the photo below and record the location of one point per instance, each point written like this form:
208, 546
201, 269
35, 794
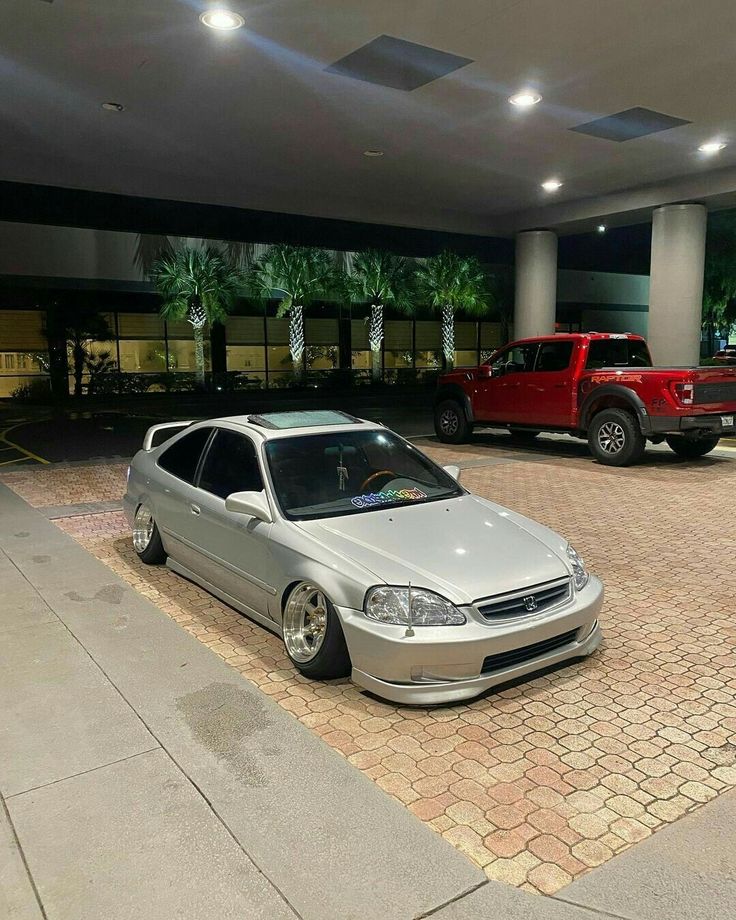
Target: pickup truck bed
601, 386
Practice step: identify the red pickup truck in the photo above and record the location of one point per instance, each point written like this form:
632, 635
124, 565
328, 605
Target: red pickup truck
599, 386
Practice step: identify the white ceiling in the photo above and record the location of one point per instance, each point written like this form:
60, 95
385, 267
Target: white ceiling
251, 118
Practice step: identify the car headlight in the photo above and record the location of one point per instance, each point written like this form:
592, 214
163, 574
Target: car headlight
391, 605
579, 573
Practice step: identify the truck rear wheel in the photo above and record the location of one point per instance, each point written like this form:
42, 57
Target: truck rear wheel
615, 439
450, 422
692, 446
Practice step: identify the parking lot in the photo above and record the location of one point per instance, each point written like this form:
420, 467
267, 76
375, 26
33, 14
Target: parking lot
536, 783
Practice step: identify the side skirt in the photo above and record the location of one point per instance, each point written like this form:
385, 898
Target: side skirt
223, 596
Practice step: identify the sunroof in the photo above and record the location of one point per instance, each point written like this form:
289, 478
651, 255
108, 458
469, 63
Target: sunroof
308, 419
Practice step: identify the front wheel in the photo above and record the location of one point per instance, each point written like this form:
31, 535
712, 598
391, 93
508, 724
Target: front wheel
615, 439
692, 446
313, 635
450, 423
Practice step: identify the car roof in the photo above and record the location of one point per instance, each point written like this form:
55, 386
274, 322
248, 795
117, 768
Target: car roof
271, 425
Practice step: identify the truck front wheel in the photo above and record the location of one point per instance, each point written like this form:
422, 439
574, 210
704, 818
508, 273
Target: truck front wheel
615, 439
692, 446
450, 423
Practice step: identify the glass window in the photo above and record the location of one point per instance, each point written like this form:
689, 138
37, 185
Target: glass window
182, 458
554, 356
142, 355
231, 465
515, 360
181, 355
333, 474
618, 353
466, 358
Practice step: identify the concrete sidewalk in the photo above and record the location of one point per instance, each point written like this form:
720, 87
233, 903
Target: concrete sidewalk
143, 777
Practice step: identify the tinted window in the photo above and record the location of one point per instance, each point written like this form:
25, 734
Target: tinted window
618, 353
182, 457
353, 472
515, 360
554, 356
231, 465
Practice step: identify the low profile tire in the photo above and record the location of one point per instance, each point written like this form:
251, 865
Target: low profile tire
313, 636
523, 434
450, 423
692, 447
146, 538
615, 439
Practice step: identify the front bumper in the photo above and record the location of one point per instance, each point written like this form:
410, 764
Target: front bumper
444, 664
706, 424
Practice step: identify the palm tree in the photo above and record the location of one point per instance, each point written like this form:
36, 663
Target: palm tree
300, 275
79, 327
381, 279
449, 282
198, 285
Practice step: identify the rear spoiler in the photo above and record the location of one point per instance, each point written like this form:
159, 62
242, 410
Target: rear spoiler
154, 429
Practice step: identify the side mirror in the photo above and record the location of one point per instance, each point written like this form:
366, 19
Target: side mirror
453, 471
254, 504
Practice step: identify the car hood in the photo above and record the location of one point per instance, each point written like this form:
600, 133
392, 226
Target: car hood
464, 548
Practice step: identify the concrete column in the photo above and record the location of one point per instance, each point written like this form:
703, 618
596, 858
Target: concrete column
536, 283
676, 283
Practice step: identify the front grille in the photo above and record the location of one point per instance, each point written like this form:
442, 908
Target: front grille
531, 600
527, 653
705, 393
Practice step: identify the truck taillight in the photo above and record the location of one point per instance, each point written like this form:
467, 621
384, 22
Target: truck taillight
685, 392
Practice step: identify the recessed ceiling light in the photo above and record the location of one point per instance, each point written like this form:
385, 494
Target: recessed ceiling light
711, 147
601, 228
551, 185
525, 98
113, 106
222, 20
373, 153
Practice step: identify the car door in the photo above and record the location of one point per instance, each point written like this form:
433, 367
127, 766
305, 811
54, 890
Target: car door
235, 546
547, 394
500, 395
174, 496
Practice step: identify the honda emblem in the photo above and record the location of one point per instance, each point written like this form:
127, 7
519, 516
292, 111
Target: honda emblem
530, 602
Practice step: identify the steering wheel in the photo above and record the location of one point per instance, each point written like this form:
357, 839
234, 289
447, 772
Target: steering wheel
369, 479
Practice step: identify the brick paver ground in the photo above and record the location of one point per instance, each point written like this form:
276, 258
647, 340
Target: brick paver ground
539, 782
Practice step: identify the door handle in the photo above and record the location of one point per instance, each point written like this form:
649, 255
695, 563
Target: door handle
195, 509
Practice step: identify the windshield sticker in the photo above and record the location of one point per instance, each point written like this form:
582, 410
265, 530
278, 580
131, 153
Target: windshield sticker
390, 495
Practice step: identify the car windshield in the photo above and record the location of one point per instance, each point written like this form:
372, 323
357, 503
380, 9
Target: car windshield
618, 353
352, 472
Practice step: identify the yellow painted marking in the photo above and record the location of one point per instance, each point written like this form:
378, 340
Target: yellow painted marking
27, 453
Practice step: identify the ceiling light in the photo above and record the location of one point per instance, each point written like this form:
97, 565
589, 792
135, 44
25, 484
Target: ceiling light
601, 228
525, 99
112, 106
373, 153
222, 20
711, 147
551, 185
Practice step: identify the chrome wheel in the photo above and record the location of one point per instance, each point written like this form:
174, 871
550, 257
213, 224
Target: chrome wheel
305, 622
611, 437
142, 529
449, 422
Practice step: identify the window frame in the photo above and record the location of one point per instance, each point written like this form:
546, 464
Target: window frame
507, 350
206, 452
543, 370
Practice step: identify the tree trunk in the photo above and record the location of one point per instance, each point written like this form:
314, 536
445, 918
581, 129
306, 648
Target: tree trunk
296, 341
375, 341
78, 356
199, 354
448, 336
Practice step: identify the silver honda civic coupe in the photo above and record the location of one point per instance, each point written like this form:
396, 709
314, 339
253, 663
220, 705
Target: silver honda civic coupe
366, 557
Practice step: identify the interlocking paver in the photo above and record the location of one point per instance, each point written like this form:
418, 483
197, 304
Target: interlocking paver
542, 781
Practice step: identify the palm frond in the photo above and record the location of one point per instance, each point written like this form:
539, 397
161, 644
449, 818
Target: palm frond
297, 275
451, 280
384, 278
185, 275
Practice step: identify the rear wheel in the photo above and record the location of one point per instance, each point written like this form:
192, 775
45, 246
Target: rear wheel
523, 434
692, 446
450, 423
146, 538
615, 439
313, 635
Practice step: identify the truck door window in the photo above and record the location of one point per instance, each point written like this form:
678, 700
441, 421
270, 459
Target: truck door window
618, 353
554, 356
515, 360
